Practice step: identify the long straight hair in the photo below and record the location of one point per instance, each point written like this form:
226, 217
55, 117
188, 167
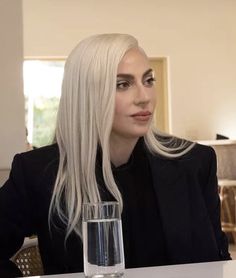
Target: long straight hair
84, 122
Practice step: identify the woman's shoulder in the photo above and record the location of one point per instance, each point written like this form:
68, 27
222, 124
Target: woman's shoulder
39, 158
33, 168
201, 151
198, 160
42, 152
183, 149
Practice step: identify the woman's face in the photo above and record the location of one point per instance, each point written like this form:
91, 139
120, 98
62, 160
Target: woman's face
135, 96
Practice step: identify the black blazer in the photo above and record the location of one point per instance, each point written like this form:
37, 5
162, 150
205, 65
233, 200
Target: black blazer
187, 194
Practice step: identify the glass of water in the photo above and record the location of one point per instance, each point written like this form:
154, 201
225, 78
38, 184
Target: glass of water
102, 240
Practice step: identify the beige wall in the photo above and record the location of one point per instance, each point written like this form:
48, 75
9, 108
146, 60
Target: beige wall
198, 37
12, 127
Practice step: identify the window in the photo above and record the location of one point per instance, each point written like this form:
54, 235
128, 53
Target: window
42, 89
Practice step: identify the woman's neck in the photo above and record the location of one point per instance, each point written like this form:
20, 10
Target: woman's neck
120, 150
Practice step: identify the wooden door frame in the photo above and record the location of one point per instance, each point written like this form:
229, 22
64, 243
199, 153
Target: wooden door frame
164, 92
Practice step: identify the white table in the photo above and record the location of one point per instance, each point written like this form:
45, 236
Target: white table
223, 269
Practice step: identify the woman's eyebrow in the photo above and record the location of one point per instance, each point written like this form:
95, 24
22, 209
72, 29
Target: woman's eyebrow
131, 77
148, 72
125, 76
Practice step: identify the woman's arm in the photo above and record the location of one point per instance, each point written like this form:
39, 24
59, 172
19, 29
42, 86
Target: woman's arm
212, 202
14, 218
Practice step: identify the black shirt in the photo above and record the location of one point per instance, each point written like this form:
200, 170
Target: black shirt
141, 221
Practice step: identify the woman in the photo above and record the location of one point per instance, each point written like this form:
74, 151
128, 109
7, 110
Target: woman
108, 149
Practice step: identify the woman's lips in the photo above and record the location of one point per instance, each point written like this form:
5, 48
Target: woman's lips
142, 116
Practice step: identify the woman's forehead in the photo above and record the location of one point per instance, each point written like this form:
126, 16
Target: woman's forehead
133, 59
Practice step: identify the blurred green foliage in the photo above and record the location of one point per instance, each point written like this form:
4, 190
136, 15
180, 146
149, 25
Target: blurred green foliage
45, 113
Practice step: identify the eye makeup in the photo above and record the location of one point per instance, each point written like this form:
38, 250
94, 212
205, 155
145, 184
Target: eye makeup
124, 80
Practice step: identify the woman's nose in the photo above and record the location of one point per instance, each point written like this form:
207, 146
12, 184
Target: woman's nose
142, 95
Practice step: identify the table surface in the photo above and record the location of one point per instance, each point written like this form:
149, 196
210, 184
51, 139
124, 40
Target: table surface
226, 182
223, 269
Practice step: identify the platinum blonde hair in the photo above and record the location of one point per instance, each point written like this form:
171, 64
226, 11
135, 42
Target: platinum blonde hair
84, 122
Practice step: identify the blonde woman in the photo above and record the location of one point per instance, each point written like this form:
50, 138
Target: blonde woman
107, 149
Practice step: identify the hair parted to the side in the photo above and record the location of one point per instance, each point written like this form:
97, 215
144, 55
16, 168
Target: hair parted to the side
84, 121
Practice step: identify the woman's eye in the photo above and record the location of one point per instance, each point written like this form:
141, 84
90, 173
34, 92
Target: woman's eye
122, 85
149, 81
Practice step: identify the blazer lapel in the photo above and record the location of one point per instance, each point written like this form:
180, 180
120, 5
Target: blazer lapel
172, 193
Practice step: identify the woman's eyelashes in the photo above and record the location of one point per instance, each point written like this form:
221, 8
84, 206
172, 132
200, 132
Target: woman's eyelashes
123, 85
149, 81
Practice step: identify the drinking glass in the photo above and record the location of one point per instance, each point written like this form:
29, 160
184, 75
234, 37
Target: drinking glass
102, 240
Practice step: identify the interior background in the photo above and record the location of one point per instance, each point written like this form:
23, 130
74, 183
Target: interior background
197, 37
